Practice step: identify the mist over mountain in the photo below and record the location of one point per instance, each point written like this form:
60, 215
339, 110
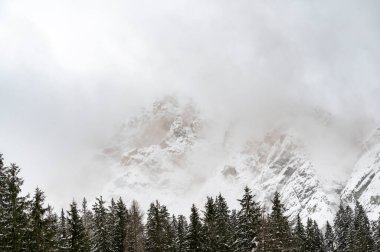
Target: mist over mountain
257, 93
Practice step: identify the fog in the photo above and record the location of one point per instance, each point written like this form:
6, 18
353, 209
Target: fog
72, 71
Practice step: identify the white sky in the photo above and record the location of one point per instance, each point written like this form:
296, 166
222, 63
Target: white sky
71, 71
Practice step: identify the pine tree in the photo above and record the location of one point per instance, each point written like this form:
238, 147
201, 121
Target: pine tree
329, 238
63, 240
14, 209
76, 233
101, 239
280, 235
119, 233
158, 236
194, 238
38, 223
135, 229
223, 225
376, 235
209, 232
342, 222
87, 219
360, 231
3, 198
51, 230
248, 217
264, 242
299, 236
182, 232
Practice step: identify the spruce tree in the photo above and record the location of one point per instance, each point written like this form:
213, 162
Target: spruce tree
248, 218
194, 238
51, 233
3, 197
135, 229
223, 225
87, 219
376, 235
299, 236
209, 232
279, 230
101, 239
14, 219
360, 231
119, 233
342, 222
329, 238
182, 232
38, 223
75, 230
158, 231
63, 239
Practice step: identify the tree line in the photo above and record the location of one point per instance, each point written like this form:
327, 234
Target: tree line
28, 224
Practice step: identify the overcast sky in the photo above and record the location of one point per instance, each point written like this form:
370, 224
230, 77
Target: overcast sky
72, 71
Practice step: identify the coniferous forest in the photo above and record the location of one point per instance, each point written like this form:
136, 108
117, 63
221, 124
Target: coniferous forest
28, 223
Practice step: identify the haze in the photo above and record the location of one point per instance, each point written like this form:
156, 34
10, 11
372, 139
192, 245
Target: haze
72, 71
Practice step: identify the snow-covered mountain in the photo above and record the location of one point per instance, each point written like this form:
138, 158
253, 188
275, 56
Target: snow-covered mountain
167, 153
364, 183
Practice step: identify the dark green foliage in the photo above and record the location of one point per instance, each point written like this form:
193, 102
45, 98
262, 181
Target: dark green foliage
87, 219
38, 223
248, 223
159, 235
135, 229
376, 235
360, 231
299, 236
101, 239
342, 224
209, 230
75, 229
120, 213
279, 230
14, 212
182, 232
329, 238
223, 225
29, 225
194, 237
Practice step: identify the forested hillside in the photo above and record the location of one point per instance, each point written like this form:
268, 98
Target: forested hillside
28, 223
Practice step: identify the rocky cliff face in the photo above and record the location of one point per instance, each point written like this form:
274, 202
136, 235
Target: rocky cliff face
364, 183
164, 154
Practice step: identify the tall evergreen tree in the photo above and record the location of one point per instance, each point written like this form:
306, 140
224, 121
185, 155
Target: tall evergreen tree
360, 231
223, 225
248, 217
342, 222
119, 233
299, 236
280, 235
63, 240
14, 209
135, 229
329, 238
101, 239
182, 232
75, 228
3, 199
38, 224
376, 235
209, 232
51, 230
158, 231
87, 219
194, 237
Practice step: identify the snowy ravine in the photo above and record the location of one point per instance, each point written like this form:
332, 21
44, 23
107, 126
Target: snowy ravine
167, 153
